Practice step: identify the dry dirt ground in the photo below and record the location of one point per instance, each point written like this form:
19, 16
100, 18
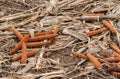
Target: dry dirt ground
56, 61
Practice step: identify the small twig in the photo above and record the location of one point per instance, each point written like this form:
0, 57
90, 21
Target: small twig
98, 18
39, 61
57, 61
53, 73
100, 74
24, 12
60, 48
82, 49
74, 34
64, 3
79, 2
89, 18
53, 76
110, 16
93, 14
76, 67
15, 17
84, 73
99, 10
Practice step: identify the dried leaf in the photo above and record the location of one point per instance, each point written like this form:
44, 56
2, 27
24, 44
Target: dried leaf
31, 32
28, 66
81, 36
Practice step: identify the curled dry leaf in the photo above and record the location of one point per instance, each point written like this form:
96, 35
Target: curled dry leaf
8, 78
93, 50
107, 53
100, 10
31, 32
81, 37
31, 63
6, 18
57, 61
48, 21
15, 65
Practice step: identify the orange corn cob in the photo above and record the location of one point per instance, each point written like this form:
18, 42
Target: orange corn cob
115, 48
109, 26
55, 31
116, 55
32, 53
18, 46
29, 54
24, 54
116, 59
96, 32
42, 37
37, 44
17, 33
94, 60
80, 55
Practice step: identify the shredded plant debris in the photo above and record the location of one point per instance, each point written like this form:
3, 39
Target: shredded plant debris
59, 39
